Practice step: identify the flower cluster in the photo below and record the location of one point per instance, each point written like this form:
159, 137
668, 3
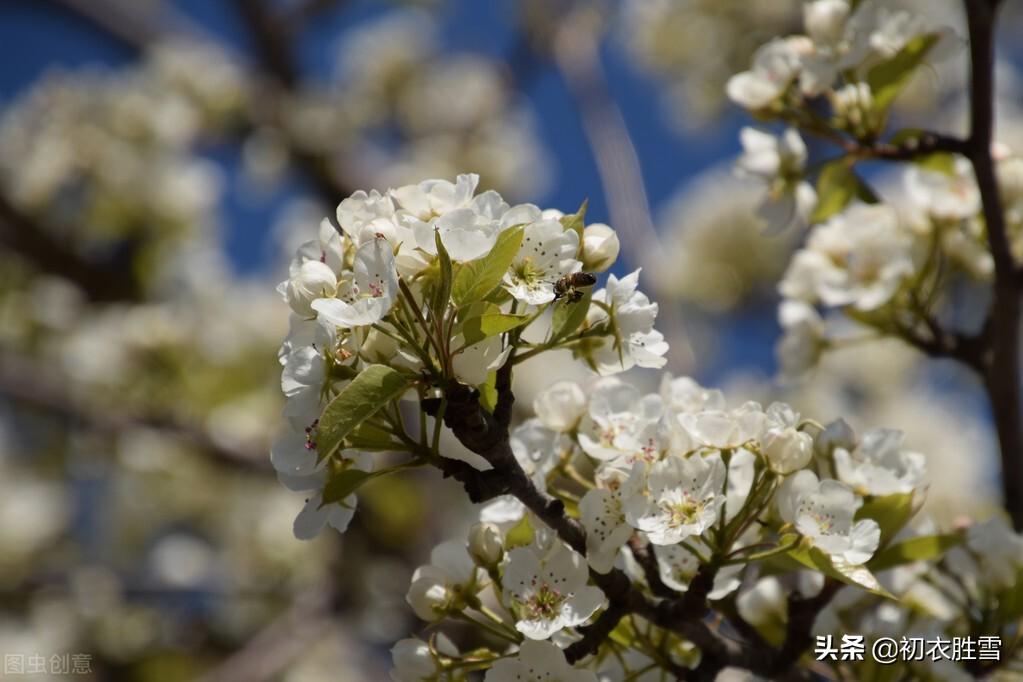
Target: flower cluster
433, 285
682, 477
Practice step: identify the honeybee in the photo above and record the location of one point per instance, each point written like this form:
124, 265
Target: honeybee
569, 288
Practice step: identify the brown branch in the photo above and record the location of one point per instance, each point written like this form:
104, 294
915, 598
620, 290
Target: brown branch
1002, 371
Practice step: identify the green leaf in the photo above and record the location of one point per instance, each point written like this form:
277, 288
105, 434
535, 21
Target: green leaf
442, 290
374, 387
567, 316
488, 392
372, 438
577, 221
917, 549
811, 557
837, 184
888, 78
342, 484
478, 278
892, 513
520, 535
476, 329
939, 162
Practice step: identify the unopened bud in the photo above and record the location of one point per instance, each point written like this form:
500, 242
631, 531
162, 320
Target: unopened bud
600, 247
312, 281
485, 545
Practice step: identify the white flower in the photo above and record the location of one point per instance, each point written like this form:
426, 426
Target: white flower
600, 247
432, 198
546, 255
302, 380
473, 363
438, 587
485, 545
537, 448
618, 420
315, 515
859, 257
686, 496
602, 513
368, 296
803, 340
466, 234
779, 162
414, 661
944, 196
312, 281
825, 20
547, 591
294, 453
823, 512
775, 66
677, 566
721, 429
764, 604
327, 248
879, 465
785, 448
560, 406
354, 213
683, 394
634, 342
537, 662
998, 550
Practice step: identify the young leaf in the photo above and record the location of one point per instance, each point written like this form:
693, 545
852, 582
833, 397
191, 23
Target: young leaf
917, 549
861, 576
837, 184
577, 221
489, 324
442, 292
520, 535
939, 162
891, 512
478, 278
373, 388
342, 484
888, 78
488, 392
567, 316
373, 438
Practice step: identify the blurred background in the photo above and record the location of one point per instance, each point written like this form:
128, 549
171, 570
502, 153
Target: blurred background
159, 162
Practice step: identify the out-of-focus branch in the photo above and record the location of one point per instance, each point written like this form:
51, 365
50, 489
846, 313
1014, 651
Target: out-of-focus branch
577, 55
101, 281
1002, 372
35, 386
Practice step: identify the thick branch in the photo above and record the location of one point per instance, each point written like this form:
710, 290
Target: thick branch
1002, 372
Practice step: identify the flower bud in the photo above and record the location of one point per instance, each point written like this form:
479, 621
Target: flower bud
312, 281
431, 598
560, 406
837, 434
599, 248
825, 20
786, 450
413, 660
485, 545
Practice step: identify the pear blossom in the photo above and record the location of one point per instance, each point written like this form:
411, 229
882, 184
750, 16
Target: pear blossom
686, 496
803, 339
998, 550
432, 198
466, 234
683, 394
764, 604
780, 163
599, 248
859, 257
677, 566
485, 545
440, 586
473, 363
315, 515
537, 662
784, 446
546, 255
617, 420
824, 20
723, 429
312, 281
302, 381
823, 511
775, 66
368, 295
560, 406
537, 448
548, 590
635, 342
879, 465
416, 661
602, 512
944, 196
